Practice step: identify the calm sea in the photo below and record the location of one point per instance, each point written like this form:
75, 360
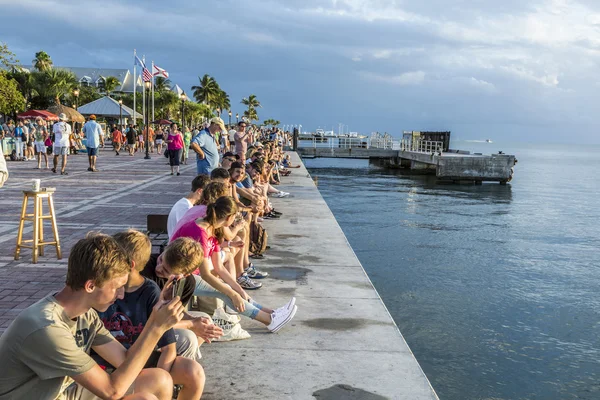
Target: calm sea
495, 288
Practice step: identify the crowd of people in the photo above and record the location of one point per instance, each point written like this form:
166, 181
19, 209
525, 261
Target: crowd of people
121, 326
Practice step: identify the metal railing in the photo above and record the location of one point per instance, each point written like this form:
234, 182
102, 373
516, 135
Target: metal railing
334, 142
421, 146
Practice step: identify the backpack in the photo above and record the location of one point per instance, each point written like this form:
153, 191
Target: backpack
258, 239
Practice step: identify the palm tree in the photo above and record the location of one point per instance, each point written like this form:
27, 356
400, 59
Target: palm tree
222, 101
250, 113
251, 101
161, 84
207, 91
42, 61
275, 122
60, 83
111, 83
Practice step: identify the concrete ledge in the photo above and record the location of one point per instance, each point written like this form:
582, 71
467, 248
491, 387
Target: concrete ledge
342, 333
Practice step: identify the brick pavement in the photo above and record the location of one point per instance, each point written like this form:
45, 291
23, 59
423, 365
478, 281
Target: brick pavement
118, 197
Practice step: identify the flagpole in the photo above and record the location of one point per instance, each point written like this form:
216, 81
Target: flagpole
153, 90
134, 84
143, 91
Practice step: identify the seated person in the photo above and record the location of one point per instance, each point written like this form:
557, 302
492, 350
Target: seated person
126, 318
187, 202
47, 347
214, 280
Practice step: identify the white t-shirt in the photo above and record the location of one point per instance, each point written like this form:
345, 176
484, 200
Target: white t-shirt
178, 211
61, 131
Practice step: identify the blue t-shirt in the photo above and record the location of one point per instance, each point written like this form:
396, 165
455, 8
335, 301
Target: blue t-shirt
92, 131
126, 318
207, 143
19, 131
247, 182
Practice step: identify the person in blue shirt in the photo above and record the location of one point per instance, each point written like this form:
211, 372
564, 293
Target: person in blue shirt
206, 147
94, 135
19, 135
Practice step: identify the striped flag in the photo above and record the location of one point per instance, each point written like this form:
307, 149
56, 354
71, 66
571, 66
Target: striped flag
157, 71
146, 75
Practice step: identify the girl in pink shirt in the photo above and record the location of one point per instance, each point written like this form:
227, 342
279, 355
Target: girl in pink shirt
174, 147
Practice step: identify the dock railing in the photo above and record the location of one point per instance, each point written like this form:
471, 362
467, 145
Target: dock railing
421, 146
340, 142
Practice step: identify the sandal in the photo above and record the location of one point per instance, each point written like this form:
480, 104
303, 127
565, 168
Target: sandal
64, 173
256, 256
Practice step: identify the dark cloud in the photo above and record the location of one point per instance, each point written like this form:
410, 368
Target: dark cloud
470, 65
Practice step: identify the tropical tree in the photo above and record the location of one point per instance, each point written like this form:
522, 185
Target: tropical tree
251, 102
11, 99
207, 91
60, 83
222, 101
7, 57
166, 104
26, 82
194, 112
111, 84
161, 84
42, 61
251, 114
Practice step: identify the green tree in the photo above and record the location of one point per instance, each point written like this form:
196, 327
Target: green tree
111, 84
222, 101
194, 112
42, 61
161, 85
26, 82
251, 114
207, 91
60, 83
11, 99
251, 102
7, 57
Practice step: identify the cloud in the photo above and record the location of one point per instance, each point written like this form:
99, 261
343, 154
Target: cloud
449, 56
404, 79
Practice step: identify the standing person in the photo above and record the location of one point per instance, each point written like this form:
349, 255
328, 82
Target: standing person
41, 134
19, 135
241, 139
187, 140
62, 133
158, 139
29, 152
117, 139
205, 146
131, 138
45, 351
224, 142
150, 133
140, 141
174, 145
93, 132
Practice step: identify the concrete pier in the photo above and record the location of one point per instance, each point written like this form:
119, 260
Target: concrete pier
342, 344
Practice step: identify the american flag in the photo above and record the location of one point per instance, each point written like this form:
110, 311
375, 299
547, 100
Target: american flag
146, 75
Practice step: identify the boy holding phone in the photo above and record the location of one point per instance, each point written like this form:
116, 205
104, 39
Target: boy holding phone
126, 318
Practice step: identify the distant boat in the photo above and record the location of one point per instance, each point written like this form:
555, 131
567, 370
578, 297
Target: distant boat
489, 141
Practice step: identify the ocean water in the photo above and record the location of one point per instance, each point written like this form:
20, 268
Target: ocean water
495, 288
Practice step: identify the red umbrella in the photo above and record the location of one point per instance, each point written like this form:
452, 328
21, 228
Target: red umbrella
33, 114
162, 122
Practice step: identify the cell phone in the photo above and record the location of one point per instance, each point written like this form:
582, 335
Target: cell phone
178, 287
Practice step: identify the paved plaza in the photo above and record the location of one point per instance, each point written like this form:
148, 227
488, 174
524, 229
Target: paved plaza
118, 197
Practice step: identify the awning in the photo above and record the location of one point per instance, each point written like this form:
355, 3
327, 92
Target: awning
33, 114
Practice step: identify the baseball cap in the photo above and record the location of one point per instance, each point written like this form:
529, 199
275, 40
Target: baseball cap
218, 121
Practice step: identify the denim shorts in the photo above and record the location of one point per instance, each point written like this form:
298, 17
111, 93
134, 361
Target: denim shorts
92, 151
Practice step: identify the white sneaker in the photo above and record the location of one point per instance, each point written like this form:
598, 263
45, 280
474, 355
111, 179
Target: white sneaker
288, 306
281, 194
281, 317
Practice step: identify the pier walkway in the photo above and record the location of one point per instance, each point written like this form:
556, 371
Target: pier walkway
342, 344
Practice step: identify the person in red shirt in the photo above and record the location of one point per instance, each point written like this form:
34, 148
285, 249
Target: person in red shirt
117, 139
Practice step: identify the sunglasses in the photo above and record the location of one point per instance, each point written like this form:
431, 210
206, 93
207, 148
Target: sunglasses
230, 159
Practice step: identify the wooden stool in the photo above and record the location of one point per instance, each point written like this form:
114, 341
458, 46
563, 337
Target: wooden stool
38, 217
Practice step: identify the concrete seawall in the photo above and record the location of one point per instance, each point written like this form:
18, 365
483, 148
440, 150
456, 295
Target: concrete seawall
342, 344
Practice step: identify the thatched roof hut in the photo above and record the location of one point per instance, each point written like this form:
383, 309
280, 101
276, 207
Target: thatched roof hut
71, 113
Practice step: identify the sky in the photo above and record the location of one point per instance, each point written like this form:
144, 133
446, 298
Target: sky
511, 70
